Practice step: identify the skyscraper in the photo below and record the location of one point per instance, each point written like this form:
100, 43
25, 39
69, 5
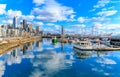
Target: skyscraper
62, 30
24, 24
15, 22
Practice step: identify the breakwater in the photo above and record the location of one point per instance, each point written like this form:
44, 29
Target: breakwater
11, 43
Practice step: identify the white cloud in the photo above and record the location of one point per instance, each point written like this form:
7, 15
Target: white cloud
107, 26
97, 70
50, 24
115, 1
100, 19
28, 17
81, 19
36, 73
97, 24
106, 61
57, 27
69, 31
38, 2
11, 13
8, 21
2, 68
38, 23
72, 18
107, 74
101, 3
107, 13
2, 9
53, 28
53, 11
52, 63
113, 26
79, 26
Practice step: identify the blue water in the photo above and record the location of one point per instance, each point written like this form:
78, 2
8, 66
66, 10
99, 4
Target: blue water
43, 59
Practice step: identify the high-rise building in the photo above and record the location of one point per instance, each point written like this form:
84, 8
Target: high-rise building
15, 22
62, 30
24, 24
38, 29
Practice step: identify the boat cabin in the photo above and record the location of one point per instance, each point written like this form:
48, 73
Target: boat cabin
84, 43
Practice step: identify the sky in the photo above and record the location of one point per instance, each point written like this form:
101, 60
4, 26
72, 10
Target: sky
77, 16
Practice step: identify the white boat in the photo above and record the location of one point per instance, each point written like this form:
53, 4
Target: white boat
86, 45
83, 45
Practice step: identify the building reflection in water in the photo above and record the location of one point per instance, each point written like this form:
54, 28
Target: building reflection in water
14, 53
50, 62
37, 43
62, 47
24, 49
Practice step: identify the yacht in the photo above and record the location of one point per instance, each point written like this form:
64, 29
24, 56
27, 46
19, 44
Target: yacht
83, 44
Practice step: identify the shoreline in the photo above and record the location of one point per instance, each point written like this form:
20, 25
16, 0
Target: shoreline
9, 44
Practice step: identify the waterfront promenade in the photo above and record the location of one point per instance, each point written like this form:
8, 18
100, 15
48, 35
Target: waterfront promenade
9, 43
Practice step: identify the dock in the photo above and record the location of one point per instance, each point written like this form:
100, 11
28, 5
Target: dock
99, 49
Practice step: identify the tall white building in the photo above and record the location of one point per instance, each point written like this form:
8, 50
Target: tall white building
2, 32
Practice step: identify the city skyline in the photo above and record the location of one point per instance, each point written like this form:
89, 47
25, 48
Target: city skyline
74, 15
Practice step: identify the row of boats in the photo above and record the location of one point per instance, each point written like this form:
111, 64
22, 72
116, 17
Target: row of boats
97, 45
87, 44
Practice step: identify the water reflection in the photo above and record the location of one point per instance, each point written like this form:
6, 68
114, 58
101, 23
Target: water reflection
2, 68
82, 54
50, 64
42, 59
13, 57
46, 62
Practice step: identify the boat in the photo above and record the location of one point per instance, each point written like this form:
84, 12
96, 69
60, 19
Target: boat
87, 45
83, 44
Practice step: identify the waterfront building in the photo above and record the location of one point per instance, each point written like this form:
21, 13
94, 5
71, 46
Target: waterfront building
2, 32
9, 30
15, 22
16, 32
24, 24
38, 30
29, 28
21, 25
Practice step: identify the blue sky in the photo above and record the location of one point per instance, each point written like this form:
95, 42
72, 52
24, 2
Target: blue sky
77, 16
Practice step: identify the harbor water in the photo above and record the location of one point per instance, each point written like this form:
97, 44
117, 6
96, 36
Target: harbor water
44, 59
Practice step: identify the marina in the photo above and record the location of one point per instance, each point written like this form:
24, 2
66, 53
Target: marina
59, 38
86, 44
44, 59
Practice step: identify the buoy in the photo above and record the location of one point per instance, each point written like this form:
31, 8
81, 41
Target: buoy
54, 40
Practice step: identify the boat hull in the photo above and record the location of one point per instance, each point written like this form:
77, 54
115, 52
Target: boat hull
82, 48
95, 49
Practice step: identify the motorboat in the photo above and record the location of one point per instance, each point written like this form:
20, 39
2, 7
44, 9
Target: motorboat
84, 44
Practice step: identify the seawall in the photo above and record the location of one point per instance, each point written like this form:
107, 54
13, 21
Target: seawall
11, 43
